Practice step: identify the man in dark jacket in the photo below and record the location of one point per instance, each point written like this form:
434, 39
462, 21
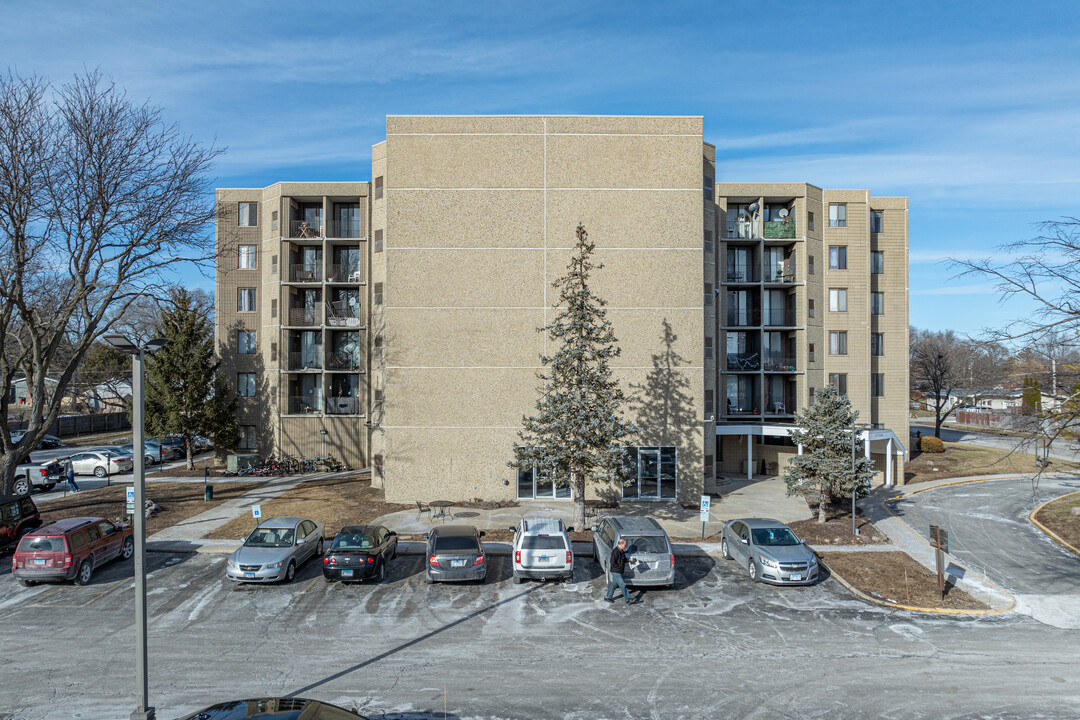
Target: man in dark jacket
616, 567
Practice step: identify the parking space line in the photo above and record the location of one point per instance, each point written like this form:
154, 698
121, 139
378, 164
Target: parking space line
300, 594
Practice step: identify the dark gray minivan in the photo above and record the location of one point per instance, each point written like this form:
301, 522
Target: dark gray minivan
651, 562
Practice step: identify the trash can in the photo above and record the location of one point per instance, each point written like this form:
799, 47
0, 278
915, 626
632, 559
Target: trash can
208, 492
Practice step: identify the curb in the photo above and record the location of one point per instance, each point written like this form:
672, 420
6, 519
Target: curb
1053, 535
989, 478
931, 611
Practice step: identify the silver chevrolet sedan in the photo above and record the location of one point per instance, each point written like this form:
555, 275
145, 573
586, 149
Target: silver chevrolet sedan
275, 549
769, 551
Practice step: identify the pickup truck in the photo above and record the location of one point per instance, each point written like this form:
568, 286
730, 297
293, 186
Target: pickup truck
37, 475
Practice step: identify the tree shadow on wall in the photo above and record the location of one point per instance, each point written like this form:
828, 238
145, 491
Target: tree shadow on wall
663, 404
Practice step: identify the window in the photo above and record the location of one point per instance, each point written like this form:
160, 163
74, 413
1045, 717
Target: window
247, 437
273, 264
877, 262
245, 300
247, 257
813, 392
377, 295
877, 344
273, 352
708, 241
877, 426
877, 385
838, 257
811, 352
708, 294
273, 220
810, 307
810, 220
877, 219
245, 384
249, 214
378, 188
708, 402
810, 264
839, 381
708, 348
877, 303
837, 215
273, 308
245, 342
837, 299
708, 188
378, 241
838, 342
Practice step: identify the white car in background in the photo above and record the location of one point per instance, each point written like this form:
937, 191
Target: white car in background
100, 463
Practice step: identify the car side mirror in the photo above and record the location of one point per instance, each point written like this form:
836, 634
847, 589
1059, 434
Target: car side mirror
482, 533
745, 541
570, 529
392, 534
593, 528
512, 529
425, 536
301, 541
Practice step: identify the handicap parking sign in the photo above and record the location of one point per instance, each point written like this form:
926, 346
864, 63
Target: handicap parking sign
256, 511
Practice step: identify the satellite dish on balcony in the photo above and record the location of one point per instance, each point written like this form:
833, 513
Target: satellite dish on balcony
783, 213
754, 207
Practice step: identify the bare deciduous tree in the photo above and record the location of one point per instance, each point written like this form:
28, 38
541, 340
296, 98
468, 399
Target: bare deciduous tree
100, 200
951, 370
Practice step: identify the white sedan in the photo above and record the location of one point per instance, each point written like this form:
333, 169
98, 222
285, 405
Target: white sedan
100, 464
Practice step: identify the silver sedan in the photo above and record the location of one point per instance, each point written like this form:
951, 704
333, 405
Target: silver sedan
769, 551
275, 549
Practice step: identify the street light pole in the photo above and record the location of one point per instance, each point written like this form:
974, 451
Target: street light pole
854, 477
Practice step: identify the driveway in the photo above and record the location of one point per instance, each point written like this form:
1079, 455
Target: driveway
989, 528
1061, 448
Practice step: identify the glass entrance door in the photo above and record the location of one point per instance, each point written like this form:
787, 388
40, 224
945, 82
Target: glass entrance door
649, 472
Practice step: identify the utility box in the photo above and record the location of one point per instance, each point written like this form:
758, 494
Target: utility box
235, 462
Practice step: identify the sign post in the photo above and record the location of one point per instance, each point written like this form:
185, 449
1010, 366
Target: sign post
256, 512
939, 539
704, 513
131, 500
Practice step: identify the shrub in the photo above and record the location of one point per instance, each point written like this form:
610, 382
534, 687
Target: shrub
931, 444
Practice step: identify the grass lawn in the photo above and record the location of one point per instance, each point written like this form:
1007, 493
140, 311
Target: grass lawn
896, 578
175, 501
335, 502
963, 459
1055, 515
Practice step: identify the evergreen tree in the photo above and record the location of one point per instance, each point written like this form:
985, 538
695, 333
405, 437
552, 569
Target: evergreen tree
577, 434
824, 469
186, 392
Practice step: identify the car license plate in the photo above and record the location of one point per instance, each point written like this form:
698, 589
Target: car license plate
346, 573
545, 558
457, 563
39, 561
249, 575
796, 576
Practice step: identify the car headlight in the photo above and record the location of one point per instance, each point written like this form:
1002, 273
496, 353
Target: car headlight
275, 566
233, 566
813, 560
767, 562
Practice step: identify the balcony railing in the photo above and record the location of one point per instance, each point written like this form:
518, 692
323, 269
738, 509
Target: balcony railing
778, 363
743, 361
306, 361
304, 405
784, 406
743, 318
344, 229
782, 274
742, 274
304, 230
304, 317
343, 314
781, 317
305, 273
779, 229
346, 273
343, 362
743, 409
743, 229
342, 406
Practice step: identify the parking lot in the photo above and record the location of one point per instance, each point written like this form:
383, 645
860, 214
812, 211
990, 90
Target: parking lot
715, 646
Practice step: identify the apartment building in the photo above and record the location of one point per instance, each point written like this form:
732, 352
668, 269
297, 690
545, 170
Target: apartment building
811, 290
291, 314
416, 353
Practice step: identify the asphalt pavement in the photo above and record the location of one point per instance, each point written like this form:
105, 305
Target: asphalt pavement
715, 646
988, 528
1061, 448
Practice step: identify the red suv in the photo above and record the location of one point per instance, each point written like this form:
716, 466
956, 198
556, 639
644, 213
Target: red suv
70, 550
18, 516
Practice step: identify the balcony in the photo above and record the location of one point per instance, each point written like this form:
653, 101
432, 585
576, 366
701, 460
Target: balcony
306, 361
342, 406
737, 317
346, 274
304, 317
341, 313
780, 405
344, 229
779, 317
304, 230
743, 361
781, 274
778, 363
744, 229
745, 274
343, 362
743, 408
305, 273
304, 405
779, 229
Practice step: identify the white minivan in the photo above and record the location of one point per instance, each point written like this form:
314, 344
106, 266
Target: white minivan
542, 549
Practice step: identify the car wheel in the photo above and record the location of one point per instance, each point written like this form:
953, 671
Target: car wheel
518, 579
99, 472
319, 548
48, 487
86, 571
290, 572
752, 570
149, 460
127, 549
27, 583
724, 549
382, 572
22, 486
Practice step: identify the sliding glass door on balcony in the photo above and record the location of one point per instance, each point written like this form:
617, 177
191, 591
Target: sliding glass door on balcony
742, 395
741, 350
305, 394
346, 265
742, 310
346, 223
343, 395
740, 264
777, 310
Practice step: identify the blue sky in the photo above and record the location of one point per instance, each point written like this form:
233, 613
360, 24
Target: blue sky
970, 109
